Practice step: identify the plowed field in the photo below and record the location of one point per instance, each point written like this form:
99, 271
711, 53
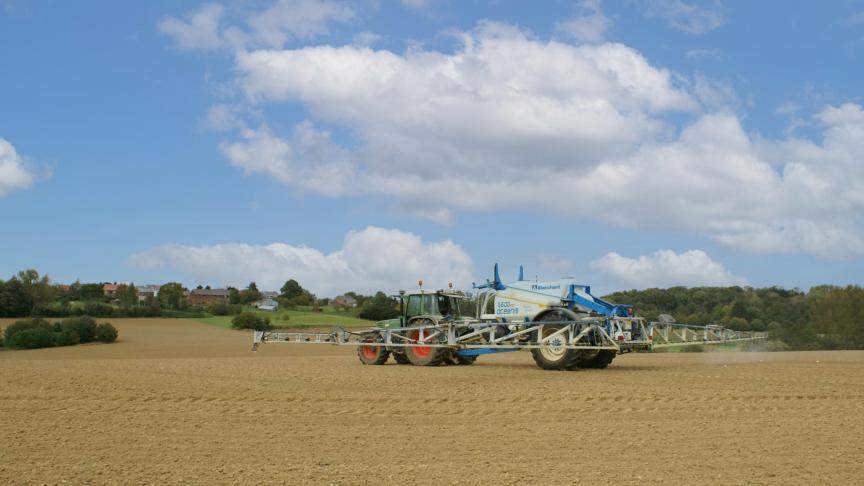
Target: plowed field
176, 401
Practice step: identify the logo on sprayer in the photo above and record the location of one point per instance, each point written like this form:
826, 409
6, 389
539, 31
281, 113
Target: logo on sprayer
545, 286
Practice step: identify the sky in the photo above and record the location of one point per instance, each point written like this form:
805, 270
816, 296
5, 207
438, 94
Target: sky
367, 145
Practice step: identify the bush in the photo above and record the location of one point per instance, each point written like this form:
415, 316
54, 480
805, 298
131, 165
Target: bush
106, 333
223, 309
98, 309
25, 325
68, 337
85, 326
250, 320
39, 337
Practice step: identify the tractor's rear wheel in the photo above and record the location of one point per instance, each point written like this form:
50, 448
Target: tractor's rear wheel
372, 355
554, 354
425, 355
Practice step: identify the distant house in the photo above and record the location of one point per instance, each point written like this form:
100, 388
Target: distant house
269, 294
145, 291
344, 301
110, 289
267, 305
208, 296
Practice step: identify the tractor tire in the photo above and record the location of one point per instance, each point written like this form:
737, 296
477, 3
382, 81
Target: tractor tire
600, 361
425, 355
401, 358
453, 358
553, 355
372, 355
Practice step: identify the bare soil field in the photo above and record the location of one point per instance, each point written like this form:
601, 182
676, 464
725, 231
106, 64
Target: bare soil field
176, 401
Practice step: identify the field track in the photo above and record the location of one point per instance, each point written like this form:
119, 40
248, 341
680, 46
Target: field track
179, 401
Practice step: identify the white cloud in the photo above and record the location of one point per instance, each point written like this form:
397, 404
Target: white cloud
692, 18
665, 268
698, 53
416, 4
370, 260
366, 39
308, 160
509, 122
199, 29
589, 25
297, 19
13, 172
857, 18
208, 29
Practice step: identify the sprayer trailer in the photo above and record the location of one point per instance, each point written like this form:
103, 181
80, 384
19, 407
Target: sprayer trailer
559, 322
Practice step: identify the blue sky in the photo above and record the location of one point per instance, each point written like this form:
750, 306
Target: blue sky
365, 145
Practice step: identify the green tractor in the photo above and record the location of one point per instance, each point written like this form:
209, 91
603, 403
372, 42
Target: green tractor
419, 309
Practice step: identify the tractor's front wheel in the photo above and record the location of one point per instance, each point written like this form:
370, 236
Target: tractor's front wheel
420, 355
373, 355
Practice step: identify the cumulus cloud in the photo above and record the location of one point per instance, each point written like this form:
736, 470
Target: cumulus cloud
504, 100
665, 268
207, 28
696, 17
589, 24
13, 171
508, 114
369, 260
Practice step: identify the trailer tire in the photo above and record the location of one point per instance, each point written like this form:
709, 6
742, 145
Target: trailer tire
553, 355
425, 355
465, 360
451, 358
600, 361
401, 358
372, 355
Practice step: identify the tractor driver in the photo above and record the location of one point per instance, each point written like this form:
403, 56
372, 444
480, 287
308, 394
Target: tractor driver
444, 308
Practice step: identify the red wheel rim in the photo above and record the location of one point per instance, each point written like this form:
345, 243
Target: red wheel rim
420, 351
369, 352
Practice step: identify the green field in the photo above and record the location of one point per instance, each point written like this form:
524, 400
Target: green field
294, 318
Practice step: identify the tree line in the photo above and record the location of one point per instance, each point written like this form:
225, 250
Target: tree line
825, 317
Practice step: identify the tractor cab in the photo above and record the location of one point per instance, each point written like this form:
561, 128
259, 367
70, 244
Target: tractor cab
440, 306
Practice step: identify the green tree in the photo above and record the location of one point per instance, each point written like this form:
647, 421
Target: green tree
251, 294
379, 307
127, 295
234, 296
171, 296
291, 289
92, 291
37, 288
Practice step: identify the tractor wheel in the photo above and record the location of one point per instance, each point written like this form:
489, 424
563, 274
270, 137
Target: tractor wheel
425, 355
600, 361
554, 355
451, 358
372, 355
401, 358
465, 360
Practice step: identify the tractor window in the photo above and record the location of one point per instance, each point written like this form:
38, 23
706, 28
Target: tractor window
420, 305
413, 307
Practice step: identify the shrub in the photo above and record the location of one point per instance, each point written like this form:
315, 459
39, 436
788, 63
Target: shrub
39, 337
250, 320
106, 333
85, 326
223, 309
68, 337
24, 325
98, 309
